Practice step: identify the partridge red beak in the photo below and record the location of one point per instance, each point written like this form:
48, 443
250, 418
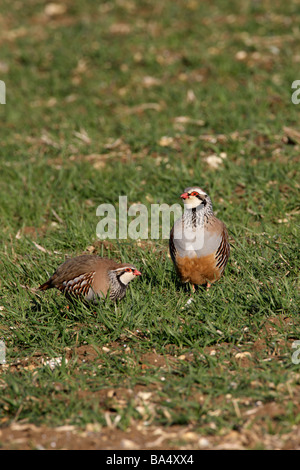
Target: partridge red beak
184, 196
137, 273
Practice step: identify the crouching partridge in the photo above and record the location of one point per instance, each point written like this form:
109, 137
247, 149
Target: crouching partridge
91, 277
198, 242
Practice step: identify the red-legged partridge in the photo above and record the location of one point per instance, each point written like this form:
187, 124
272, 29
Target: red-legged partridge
199, 245
91, 277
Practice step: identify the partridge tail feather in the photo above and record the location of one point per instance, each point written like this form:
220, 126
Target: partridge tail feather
46, 285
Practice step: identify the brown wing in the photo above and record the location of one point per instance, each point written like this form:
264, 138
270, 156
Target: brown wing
79, 285
172, 248
223, 251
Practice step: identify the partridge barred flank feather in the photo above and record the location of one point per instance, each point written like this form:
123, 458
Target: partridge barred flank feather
91, 277
199, 245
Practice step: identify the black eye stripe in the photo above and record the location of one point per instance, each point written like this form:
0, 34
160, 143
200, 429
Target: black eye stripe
127, 270
198, 196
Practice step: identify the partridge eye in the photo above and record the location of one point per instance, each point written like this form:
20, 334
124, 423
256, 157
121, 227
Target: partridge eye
194, 193
128, 270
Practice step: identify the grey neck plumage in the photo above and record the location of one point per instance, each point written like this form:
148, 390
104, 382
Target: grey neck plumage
198, 215
117, 288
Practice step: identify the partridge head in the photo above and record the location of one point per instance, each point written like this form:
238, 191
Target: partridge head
92, 277
199, 245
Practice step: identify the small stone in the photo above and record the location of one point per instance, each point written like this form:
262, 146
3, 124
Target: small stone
241, 55
203, 442
241, 355
55, 9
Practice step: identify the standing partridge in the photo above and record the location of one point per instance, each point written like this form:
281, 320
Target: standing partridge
91, 277
198, 242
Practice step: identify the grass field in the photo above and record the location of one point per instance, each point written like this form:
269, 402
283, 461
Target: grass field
137, 98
